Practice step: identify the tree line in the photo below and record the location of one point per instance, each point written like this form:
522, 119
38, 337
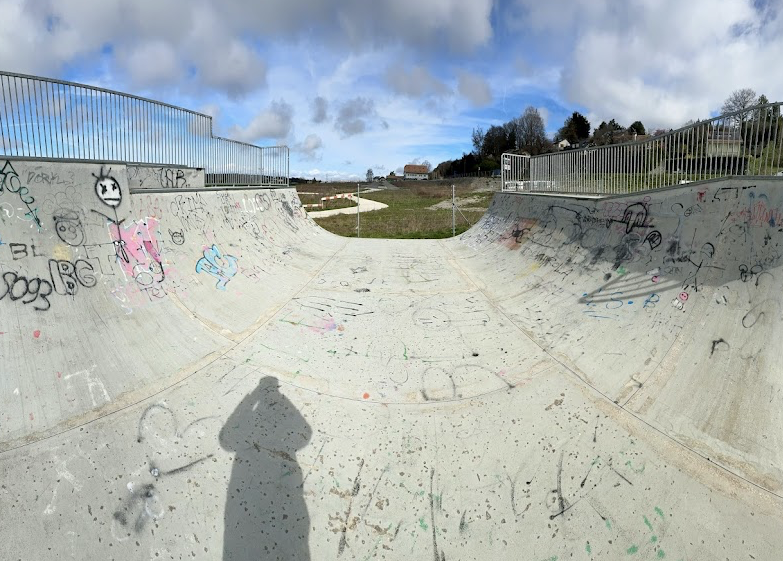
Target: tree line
527, 134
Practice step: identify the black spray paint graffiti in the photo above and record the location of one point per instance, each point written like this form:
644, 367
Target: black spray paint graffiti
177, 237
168, 178
65, 278
173, 178
109, 192
69, 227
144, 503
654, 238
635, 216
9, 181
18, 287
20, 251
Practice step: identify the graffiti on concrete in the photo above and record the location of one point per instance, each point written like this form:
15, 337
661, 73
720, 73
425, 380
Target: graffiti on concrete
222, 267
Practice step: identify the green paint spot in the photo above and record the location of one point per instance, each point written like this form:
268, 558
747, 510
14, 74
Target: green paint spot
640, 470
332, 352
405, 352
588, 549
423, 524
647, 523
608, 524
247, 360
659, 512
653, 539
622, 270
633, 549
661, 554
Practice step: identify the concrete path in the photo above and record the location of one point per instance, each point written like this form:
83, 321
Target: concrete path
210, 375
363, 205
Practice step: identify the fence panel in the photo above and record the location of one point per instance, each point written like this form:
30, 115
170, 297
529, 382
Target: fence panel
45, 118
746, 142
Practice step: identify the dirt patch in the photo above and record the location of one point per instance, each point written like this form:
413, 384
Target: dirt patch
462, 203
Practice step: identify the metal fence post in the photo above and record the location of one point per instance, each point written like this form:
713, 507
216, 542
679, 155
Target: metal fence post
358, 231
453, 212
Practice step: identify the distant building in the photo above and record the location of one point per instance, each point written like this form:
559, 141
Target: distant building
413, 171
563, 144
718, 147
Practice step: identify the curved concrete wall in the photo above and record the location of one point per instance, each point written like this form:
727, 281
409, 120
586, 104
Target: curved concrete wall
666, 302
92, 278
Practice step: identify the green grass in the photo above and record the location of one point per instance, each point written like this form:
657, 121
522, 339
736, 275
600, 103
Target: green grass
408, 215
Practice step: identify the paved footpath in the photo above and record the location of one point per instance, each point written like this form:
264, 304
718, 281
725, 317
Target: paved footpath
365, 205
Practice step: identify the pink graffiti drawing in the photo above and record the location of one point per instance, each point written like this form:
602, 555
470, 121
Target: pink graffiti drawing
140, 257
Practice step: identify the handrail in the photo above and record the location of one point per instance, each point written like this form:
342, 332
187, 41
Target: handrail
56, 119
744, 142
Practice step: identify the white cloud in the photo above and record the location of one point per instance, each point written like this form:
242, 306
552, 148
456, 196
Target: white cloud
211, 109
231, 67
275, 122
327, 174
474, 88
309, 147
463, 25
320, 110
166, 69
663, 62
414, 81
353, 115
544, 112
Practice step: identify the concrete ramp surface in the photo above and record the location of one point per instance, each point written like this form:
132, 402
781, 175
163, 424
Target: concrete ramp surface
207, 374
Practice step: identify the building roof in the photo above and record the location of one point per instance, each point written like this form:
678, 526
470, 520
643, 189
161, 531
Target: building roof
413, 168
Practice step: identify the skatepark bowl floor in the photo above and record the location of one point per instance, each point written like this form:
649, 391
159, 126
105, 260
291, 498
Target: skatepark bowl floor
207, 374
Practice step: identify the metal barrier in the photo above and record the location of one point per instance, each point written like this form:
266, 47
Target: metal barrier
45, 118
747, 142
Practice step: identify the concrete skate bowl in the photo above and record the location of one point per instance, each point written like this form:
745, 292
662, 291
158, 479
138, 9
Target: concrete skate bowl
207, 374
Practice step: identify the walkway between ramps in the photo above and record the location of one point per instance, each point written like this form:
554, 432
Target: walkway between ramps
364, 205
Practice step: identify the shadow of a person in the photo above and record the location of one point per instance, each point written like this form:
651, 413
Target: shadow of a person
266, 515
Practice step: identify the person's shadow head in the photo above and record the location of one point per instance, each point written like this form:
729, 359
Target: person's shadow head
266, 516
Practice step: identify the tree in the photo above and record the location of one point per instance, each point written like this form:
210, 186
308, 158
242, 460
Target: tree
739, 100
510, 129
637, 127
575, 128
530, 132
607, 133
477, 138
763, 114
495, 142
369, 175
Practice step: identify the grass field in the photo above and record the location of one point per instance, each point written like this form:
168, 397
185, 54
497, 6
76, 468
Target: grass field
409, 214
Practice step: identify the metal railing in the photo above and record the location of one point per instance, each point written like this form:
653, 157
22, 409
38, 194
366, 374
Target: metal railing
46, 118
747, 142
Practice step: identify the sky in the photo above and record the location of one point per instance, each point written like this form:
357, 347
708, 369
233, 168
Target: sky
355, 84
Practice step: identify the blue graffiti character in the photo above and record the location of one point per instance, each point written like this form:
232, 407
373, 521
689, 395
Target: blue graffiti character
222, 267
